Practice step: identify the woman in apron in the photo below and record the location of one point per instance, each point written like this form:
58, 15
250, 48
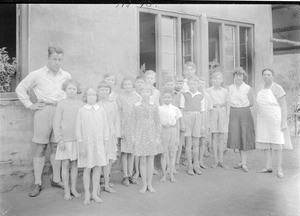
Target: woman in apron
271, 122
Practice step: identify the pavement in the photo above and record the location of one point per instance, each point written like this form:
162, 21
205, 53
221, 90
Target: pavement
217, 192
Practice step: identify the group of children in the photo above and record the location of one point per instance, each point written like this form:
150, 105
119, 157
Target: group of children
144, 121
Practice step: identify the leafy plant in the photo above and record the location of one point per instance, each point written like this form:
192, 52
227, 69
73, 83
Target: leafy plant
213, 67
8, 68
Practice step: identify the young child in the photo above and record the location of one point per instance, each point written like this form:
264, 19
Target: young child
218, 117
64, 124
126, 101
113, 119
112, 81
193, 114
178, 101
146, 136
169, 116
205, 120
92, 133
151, 80
189, 69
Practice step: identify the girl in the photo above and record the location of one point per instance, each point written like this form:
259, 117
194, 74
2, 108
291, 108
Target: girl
64, 131
92, 134
113, 120
112, 81
126, 102
146, 136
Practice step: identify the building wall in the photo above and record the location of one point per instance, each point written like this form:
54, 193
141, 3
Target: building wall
97, 39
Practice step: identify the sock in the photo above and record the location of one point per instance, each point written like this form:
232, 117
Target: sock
56, 165
38, 166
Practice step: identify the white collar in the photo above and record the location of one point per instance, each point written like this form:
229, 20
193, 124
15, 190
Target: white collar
49, 71
88, 106
194, 94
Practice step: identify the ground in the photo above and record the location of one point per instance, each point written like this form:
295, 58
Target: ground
216, 192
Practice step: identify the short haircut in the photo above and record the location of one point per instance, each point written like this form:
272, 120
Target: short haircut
178, 78
166, 91
140, 77
267, 69
241, 71
216, 74
104, 84
109, 75
150, 72
168, 79
146, 87
73, 82
84, 95
193, 78
53, 49
188, 64
126, 79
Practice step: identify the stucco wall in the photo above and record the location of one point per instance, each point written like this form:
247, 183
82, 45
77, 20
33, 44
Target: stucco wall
98, 39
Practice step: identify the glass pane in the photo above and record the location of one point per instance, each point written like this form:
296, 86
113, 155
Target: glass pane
167, 26
187, 48
243, 63
168, 44
229, 63
168, 61
187, 59
187, 31
229, 33
243, 50
229, 48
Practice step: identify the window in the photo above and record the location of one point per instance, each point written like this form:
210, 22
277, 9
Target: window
231, 46
167, 42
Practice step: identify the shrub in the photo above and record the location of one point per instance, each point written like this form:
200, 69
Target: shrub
8, 68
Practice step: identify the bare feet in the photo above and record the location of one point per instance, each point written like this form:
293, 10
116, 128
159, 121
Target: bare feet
75, 193
151, 189
109, 189
96, 198
173, 180
175, 172
163, 179
67, 196
215, 165
143, 190
87, 199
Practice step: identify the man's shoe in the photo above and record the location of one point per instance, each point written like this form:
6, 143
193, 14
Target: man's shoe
35, 191
57, 184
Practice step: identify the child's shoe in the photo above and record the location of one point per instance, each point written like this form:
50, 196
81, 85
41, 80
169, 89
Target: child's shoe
215, 165
280, 174
125, 181
190, 171
197, 171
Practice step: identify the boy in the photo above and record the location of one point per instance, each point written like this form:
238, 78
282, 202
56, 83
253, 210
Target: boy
151, 80
189, 69
169, 116
193, 114
205, 120
218, 117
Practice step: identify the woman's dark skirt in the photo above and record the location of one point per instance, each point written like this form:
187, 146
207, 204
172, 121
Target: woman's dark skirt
241, 129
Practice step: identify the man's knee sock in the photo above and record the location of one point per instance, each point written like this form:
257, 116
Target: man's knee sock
56, 165
38, 166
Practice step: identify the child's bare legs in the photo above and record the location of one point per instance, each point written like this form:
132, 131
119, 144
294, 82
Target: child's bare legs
163, 162
221, 146
150, 168
201, 152
143, 173
124, 164
215, 147
178, 153
65, 178
106, 171
136, 166
74, 173
130, 163
96, 180
172, 165
86, 185
268, 156
188, 151
279, 163
196, 166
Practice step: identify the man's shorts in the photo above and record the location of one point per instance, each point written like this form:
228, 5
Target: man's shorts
193, 124
168, 138
43, 125
218, 120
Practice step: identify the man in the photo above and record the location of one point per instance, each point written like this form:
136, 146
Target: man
46, 83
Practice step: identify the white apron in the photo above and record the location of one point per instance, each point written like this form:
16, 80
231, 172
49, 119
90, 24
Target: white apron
268, 127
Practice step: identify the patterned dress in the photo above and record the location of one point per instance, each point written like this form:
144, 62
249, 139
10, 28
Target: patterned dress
113, 120
91, 131
147, 130
126, 103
